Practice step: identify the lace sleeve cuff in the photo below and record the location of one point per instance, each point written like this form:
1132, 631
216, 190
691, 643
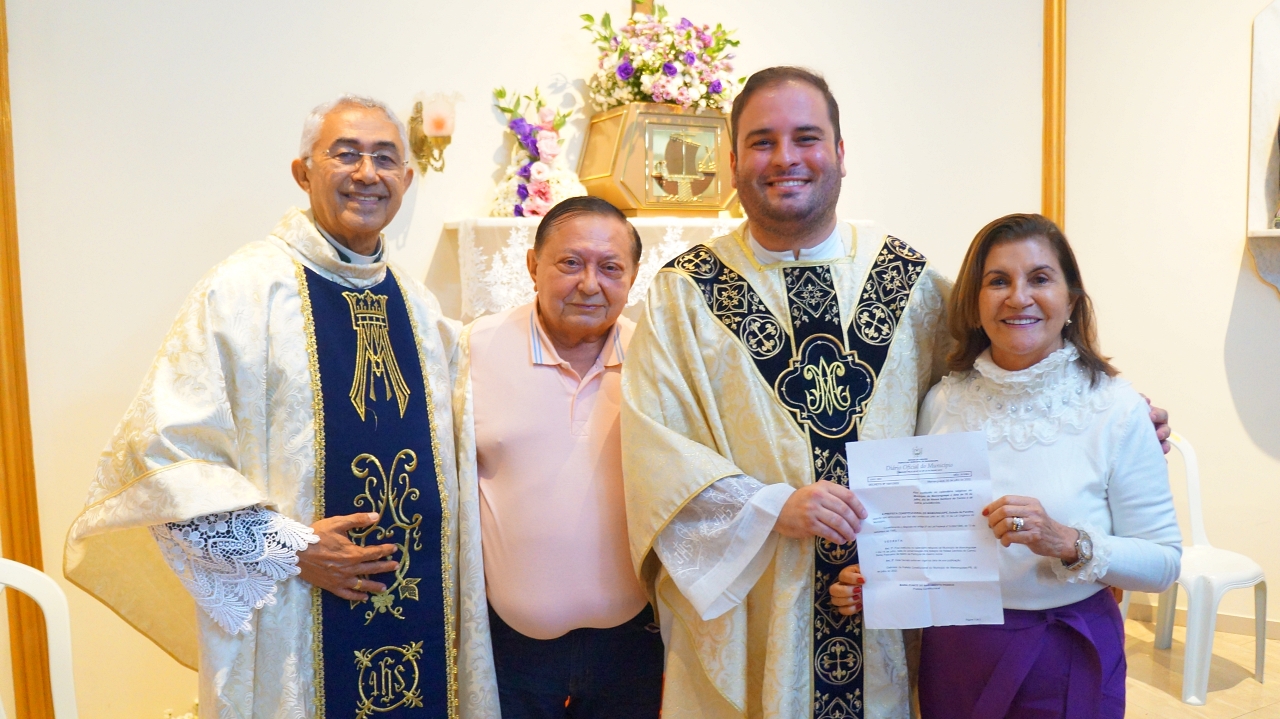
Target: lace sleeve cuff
720, 543
1093, 570
231, 561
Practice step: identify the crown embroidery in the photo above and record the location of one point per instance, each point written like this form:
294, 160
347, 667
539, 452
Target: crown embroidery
375, 359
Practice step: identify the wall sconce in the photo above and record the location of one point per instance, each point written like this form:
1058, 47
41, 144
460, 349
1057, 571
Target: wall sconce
431, 130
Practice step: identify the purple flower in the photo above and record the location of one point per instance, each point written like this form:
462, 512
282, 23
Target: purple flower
522, 191
519, 212
625, 70
520, 126
684, 24
715, 87
690, 58
524, 172
529, 140
669, 69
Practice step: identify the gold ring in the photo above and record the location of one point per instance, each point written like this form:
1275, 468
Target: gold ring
1018, 523
359, 583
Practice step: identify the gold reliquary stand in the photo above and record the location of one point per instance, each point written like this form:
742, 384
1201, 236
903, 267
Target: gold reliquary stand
652, 159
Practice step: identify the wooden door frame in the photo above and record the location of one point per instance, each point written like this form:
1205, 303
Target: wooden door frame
19, 514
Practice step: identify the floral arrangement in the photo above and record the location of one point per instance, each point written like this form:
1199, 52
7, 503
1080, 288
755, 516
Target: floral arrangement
652, 59
536, 178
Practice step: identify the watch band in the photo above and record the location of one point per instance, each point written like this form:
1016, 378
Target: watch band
1084, 551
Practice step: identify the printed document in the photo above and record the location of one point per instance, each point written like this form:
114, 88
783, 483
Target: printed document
926, 551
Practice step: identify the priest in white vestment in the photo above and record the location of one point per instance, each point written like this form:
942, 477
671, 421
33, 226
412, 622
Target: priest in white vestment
205, 525
757, 357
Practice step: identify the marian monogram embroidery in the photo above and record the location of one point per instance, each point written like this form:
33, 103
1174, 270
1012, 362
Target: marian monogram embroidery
375, 359
825, 386
386, 493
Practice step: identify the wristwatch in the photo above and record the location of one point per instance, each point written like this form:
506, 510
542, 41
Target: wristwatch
1084, 551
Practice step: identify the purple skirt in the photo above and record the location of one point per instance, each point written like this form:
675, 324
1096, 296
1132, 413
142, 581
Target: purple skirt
1064, 662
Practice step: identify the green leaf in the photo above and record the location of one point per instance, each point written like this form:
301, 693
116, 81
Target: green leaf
588, 18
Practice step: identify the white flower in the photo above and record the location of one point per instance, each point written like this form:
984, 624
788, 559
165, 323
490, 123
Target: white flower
539, 172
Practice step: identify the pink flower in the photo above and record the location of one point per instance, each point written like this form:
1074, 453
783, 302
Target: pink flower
546, 116
538, 173
540, 189
548, 145
536, 207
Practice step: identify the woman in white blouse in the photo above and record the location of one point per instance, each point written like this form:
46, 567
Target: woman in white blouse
1084, 500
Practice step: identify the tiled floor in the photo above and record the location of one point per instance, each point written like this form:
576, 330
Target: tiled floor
1154, 688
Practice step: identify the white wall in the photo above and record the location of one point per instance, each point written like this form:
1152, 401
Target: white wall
153, 138
1157, 164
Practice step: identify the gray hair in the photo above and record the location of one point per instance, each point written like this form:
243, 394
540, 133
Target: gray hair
311, 128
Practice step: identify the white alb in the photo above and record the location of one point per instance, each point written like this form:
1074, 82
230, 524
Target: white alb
231, 561
1087, 451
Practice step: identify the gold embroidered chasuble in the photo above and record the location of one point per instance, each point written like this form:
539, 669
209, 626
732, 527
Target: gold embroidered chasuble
226, 419
695, 410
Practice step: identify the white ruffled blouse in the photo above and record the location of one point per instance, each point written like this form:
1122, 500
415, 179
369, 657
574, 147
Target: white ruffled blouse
1088, 453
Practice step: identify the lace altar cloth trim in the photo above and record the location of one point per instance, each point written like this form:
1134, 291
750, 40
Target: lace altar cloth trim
493, 273
231, 561
1029, 406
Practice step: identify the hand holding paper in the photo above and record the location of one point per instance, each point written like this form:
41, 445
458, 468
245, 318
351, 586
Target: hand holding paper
925, 549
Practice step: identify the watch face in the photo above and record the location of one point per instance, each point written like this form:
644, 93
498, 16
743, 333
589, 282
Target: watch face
1086, 549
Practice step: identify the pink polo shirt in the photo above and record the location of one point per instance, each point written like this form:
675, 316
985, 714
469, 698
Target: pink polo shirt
549, 451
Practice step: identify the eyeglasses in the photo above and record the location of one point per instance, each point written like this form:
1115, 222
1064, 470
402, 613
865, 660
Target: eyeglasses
383, 161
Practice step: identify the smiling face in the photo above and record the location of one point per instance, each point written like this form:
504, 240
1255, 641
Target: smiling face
582, 275
353, 203
787, 163
1024, 302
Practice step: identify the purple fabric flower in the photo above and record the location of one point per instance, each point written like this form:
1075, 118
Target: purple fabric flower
519, 212
669, 69
715, 87
522, 191
690, 58
625, 70
524, 172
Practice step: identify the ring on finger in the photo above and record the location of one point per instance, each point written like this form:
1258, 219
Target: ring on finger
1018, 524
359, 583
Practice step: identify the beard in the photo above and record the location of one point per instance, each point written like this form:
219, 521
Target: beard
791, 218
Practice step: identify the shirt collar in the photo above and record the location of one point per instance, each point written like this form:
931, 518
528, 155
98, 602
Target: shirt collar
832, 248
347, 255
542, 351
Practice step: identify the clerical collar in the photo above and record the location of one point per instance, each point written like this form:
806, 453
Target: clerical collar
349, 257
831, 248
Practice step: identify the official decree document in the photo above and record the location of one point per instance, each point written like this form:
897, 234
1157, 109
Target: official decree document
926, 551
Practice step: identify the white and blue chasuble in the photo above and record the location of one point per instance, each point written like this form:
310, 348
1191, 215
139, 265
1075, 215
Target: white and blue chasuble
767, 370
302, 384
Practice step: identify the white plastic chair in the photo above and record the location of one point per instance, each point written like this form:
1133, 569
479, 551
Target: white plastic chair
57, 622
1207, 574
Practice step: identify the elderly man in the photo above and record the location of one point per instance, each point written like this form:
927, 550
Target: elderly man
305, 382
759, 356
537, 405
